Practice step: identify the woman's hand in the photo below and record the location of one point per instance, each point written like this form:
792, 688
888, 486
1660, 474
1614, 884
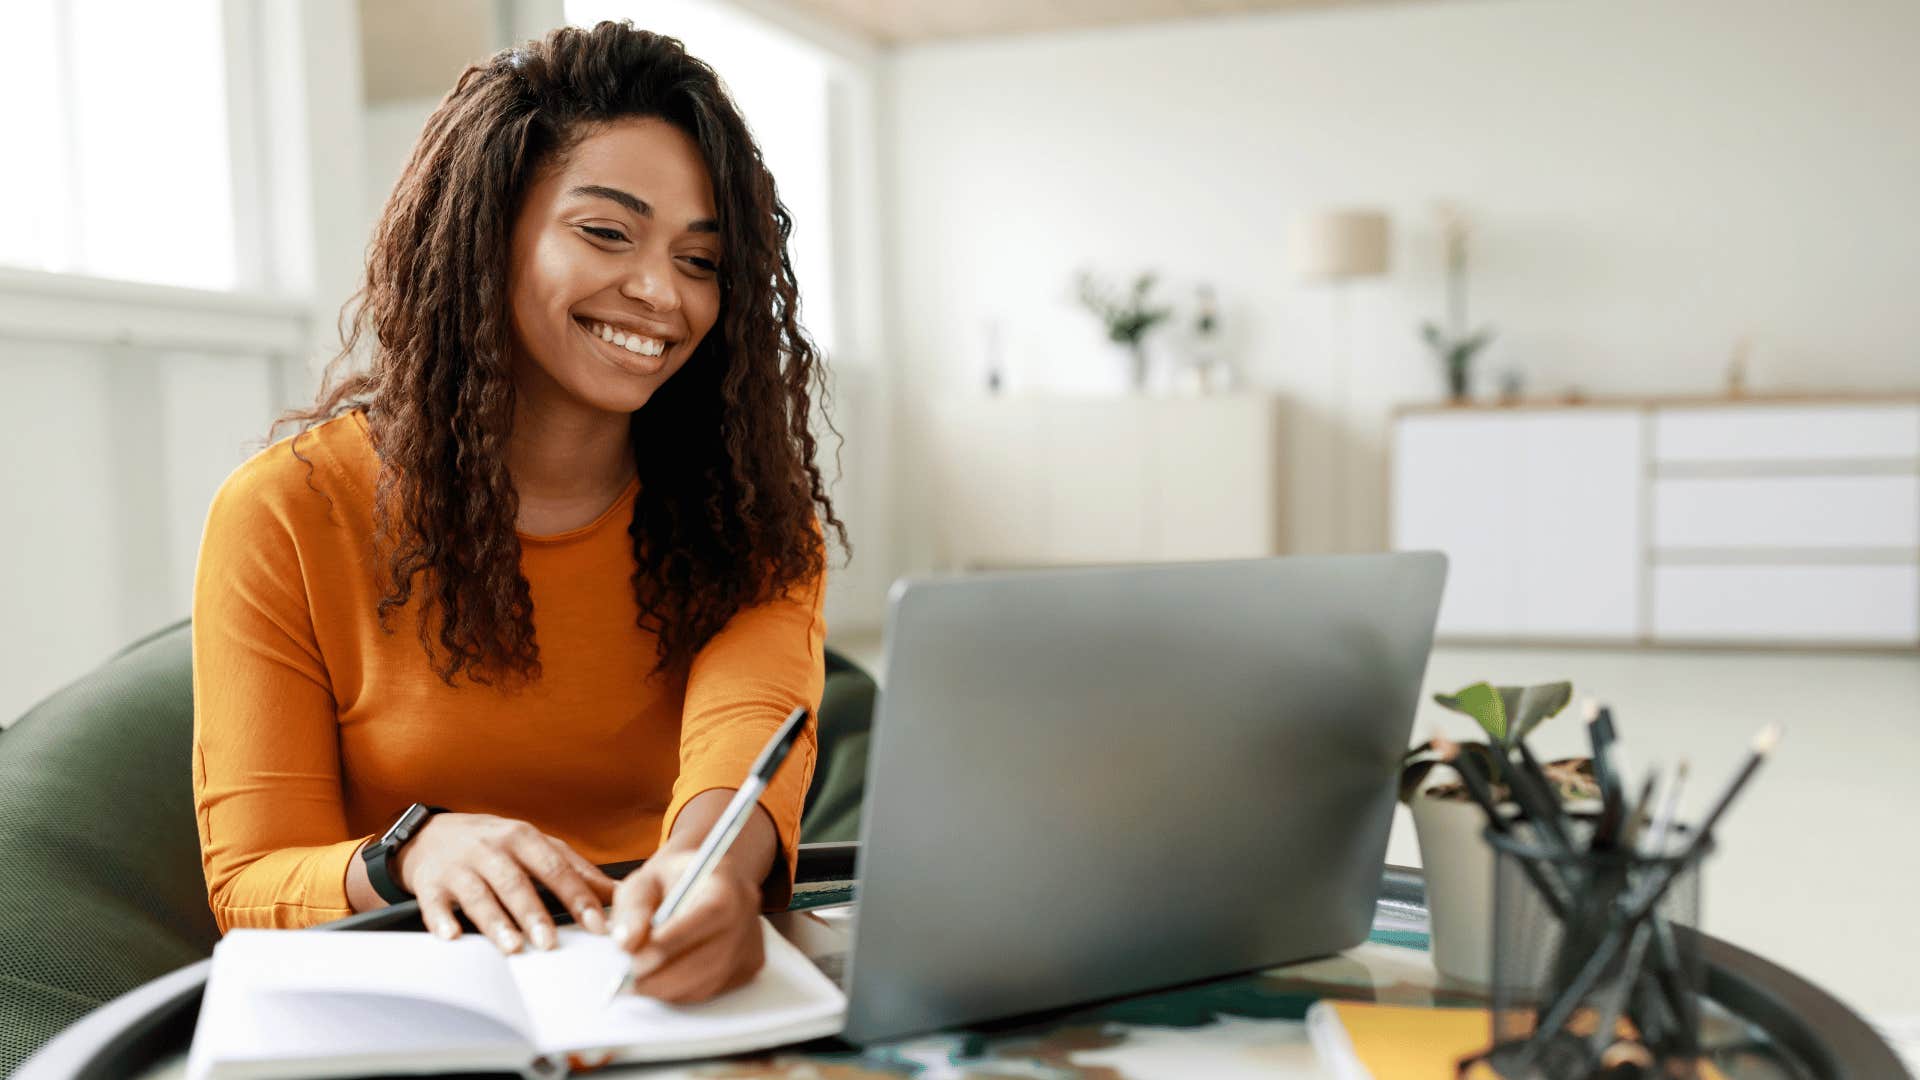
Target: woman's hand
487, 866
710, 946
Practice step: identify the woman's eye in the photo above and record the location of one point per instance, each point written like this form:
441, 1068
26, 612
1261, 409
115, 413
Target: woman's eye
705, 264
604, 234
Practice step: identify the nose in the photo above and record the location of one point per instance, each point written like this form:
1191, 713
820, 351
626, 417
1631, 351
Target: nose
650, 280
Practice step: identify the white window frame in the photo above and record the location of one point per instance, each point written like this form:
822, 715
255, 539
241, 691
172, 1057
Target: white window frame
262, 317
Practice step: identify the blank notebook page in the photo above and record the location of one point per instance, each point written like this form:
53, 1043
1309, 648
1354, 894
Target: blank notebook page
301, 995
565, 991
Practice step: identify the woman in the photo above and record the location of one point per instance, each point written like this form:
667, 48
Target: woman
579, 466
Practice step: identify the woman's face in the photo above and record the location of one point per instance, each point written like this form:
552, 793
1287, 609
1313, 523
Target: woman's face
613, 280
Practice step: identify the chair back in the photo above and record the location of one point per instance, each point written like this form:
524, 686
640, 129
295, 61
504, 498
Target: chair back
100, 881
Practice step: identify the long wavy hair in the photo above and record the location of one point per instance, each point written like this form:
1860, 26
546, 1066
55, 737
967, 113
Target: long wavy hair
729, 490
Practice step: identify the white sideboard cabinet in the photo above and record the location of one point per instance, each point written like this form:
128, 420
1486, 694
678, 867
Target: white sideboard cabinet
1731, 522
1037, 481
1539, 514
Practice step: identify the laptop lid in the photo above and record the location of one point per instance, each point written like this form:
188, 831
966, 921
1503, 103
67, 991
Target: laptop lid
1093, 782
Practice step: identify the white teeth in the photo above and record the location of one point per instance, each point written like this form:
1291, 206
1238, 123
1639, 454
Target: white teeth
634, 343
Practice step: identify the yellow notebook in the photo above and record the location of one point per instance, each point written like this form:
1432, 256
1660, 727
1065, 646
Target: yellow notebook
1357, 1040
1361, 1041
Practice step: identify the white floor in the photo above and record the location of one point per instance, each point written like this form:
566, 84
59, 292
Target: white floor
1819, 862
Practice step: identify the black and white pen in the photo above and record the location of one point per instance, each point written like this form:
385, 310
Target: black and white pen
731, 821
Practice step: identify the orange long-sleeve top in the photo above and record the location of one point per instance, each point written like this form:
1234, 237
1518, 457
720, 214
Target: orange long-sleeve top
313, 728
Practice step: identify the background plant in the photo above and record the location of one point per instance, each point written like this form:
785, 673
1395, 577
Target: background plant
1453, 345
1507, 714
1128, 315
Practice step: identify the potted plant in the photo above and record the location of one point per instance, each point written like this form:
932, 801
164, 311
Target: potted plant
1458, 863
1127, 318
1453, 344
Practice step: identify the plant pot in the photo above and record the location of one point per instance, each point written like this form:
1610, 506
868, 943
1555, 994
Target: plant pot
1459, 379
1459, 867
1459, 870
1134, 363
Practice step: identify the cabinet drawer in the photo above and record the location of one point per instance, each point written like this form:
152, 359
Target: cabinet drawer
1787, 433
1856, 605
1787, 512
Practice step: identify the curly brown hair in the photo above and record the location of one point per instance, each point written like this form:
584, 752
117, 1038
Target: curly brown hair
726, 514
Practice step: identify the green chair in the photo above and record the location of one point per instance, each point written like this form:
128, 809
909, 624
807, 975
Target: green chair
100, 883
832, 812
100, 880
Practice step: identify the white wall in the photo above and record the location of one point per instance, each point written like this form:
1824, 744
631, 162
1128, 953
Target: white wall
130, 404
1651, 181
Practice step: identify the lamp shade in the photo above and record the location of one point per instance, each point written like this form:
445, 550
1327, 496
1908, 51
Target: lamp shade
1334, 244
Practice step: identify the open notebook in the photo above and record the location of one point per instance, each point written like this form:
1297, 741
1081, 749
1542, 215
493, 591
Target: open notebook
300, 1003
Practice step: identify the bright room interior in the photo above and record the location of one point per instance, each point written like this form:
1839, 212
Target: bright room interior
1682, 470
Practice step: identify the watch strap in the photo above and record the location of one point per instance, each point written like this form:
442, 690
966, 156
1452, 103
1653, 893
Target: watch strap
380, 874
379, 854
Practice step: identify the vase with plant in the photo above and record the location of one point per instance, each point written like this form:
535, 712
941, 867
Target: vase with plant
1457, 861
1453, 344
1127, 317
1210, 364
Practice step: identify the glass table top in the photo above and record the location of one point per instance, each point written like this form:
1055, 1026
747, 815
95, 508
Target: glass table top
1249, 1025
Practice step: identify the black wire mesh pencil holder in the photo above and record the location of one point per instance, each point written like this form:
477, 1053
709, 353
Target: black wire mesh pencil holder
1588, 974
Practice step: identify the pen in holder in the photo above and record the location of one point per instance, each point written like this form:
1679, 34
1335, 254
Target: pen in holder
1590, 976
1605, 981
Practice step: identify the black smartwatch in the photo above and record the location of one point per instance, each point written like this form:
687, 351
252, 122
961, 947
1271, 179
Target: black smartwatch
377, 853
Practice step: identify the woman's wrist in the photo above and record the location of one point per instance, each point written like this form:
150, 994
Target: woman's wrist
361, 895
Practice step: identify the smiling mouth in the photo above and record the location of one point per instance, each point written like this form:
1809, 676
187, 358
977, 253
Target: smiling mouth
624, 341
642, 360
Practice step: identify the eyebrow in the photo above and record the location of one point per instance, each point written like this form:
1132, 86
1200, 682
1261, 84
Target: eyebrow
639, 206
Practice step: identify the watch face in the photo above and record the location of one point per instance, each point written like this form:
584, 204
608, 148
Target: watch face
408, 824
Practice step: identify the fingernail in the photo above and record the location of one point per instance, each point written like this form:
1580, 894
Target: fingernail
443, 930
622, 930
543, 937
507, 940
593, 920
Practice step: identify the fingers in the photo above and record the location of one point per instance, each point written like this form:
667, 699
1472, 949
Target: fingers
711, 945
721, 962
714, 905
436, 911
477, 900
596, 878
634, 901
514, 889
559, 867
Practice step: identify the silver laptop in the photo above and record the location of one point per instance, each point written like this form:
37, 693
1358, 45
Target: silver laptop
1090, 783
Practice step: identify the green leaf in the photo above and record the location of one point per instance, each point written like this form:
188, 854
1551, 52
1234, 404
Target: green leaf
1482, 702
1528, 706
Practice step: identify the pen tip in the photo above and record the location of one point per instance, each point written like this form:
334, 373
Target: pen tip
1680, 771
1768, 737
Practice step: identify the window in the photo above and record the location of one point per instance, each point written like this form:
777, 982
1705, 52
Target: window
780, 86
121, 113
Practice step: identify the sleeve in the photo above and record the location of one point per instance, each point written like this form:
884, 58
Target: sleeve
766, 661
266, 753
